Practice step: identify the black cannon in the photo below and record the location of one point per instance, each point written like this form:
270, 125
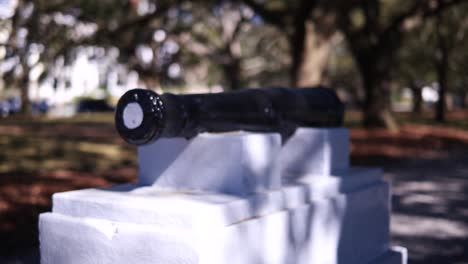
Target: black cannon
143, 116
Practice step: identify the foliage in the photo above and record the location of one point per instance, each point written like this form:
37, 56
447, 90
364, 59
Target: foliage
241, 43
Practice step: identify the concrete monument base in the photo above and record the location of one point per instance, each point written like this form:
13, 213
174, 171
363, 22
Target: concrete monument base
342, 217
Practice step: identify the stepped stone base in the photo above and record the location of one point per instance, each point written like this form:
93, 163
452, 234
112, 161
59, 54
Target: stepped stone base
230, 198
334, 221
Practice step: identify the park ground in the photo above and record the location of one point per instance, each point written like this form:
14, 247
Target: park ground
426, 163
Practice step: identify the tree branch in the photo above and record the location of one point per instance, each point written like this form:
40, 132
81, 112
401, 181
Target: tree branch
138, 22
105, 32
273, 17
424, 8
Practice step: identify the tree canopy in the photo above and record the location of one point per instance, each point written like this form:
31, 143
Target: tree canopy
240, 43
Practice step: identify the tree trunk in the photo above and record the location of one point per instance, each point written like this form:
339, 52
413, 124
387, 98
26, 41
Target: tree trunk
442, 61
442, 80
376, 80
23, 84
150, 80
377, 110
417, 97
231, 72
25, 102
310, 52
463, 95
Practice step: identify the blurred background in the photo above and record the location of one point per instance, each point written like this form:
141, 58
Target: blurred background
400, 67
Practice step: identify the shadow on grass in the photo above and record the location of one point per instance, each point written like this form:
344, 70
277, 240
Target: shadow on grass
429, 172
39, 159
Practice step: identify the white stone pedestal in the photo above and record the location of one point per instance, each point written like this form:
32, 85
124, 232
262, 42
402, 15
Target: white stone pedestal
326, 213
236, 163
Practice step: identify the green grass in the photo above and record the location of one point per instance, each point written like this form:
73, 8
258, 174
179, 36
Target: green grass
89, 143
84, 143
82, 118
454, 119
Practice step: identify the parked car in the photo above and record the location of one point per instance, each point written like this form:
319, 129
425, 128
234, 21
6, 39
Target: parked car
10, 106
40, 107
4, 108
15, 104
93, 105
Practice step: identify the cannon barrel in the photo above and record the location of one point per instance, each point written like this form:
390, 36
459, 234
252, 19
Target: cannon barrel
143, 116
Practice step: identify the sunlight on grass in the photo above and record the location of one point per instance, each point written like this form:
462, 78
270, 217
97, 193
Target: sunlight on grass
81, 118
109, 151
84, 143
100, 118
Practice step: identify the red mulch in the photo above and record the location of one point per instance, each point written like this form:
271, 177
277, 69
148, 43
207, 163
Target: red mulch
23, 197
375, 146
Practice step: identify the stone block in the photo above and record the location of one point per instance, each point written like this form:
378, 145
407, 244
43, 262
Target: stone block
237, 163
297, 223
314, 151
184, 209
230, 198
66, 239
